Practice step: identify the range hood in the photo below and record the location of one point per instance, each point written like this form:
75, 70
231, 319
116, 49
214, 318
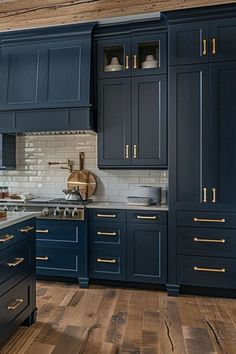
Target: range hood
49, 85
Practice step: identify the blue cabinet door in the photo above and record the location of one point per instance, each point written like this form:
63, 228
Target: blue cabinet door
189, 155
189, 43
147, 253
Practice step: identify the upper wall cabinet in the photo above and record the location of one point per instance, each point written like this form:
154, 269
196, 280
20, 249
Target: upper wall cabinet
201, 42
132, 55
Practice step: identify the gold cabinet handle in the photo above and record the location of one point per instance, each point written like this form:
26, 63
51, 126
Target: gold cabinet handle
209, 220
106, 215
6, 238
106, 233
208, 240
16, 262
126, 151
216, 270
135, 152
42, 231
213, 46
154, 217
17, 303
204, 195
126, 62
26, 229
204, 45
102, 260
135, 61
213, 195
38, 258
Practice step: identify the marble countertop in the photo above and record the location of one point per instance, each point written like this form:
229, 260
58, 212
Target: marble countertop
111, 205
13, 218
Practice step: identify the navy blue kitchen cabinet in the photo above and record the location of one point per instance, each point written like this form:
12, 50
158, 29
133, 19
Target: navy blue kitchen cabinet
17, 277
62, 249
132, 118
132, 248
202, 41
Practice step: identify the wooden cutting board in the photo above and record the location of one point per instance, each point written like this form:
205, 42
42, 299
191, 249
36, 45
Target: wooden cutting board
82, 179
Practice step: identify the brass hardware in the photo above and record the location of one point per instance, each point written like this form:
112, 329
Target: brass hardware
204, 43
207, 240
135, 61
26, 229
16, 262
147, 217
135, 151
42, 231
209, 220
17, 304
42, 258
102, 260
69, 163
106, 233
126, 151
204, 195
213, 195
6, 238
213, 46
106, 215
126, 62
216, 270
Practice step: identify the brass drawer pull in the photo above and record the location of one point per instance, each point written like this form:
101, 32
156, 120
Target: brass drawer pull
154, 217
106, 233
102, 260
126, 151
204, 195
135, 61
209, 220
6, 238
42, 258
135, 151
126, 62
16, 262
17, 304
213, 46
106, 215
42, 231
213, 195
26, 229
216, 270
204, 51
196, 239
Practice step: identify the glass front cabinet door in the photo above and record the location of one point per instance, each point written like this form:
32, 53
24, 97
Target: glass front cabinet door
134, 55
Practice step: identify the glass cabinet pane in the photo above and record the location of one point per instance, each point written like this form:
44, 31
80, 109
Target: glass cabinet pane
148, 55
114, 58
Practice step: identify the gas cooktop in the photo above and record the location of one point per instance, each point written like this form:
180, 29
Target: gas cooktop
70, 202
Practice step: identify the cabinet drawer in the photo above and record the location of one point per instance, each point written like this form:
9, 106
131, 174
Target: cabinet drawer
206, 271
206, 219
8, 237
109, 215
110, 234
15, 263
206, 242
60, 231
144, 216
107, 264
14, 302
58, 261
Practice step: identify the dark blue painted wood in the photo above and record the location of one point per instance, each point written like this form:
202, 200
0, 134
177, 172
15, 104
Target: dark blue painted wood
222, 219
107, 215
142, 216
147, 253
107, 234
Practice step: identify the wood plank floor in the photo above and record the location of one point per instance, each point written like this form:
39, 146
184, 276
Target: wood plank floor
115, 320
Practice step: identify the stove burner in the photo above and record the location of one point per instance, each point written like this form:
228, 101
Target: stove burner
70, 202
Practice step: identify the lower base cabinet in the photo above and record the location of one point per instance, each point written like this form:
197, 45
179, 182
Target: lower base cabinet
128, 245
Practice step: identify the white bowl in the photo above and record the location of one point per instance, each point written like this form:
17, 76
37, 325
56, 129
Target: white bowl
113, 67
149, 64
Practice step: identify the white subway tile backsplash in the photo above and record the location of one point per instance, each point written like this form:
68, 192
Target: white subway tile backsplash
34, 175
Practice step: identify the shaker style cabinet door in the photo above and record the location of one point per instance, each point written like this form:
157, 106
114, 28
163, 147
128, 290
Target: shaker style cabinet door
114, 116
189, 136
223, 130
149, 121
188, 43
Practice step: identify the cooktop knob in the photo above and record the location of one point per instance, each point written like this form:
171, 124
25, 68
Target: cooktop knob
75, 212
5, 208
45, 212
66, 212
57, 211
